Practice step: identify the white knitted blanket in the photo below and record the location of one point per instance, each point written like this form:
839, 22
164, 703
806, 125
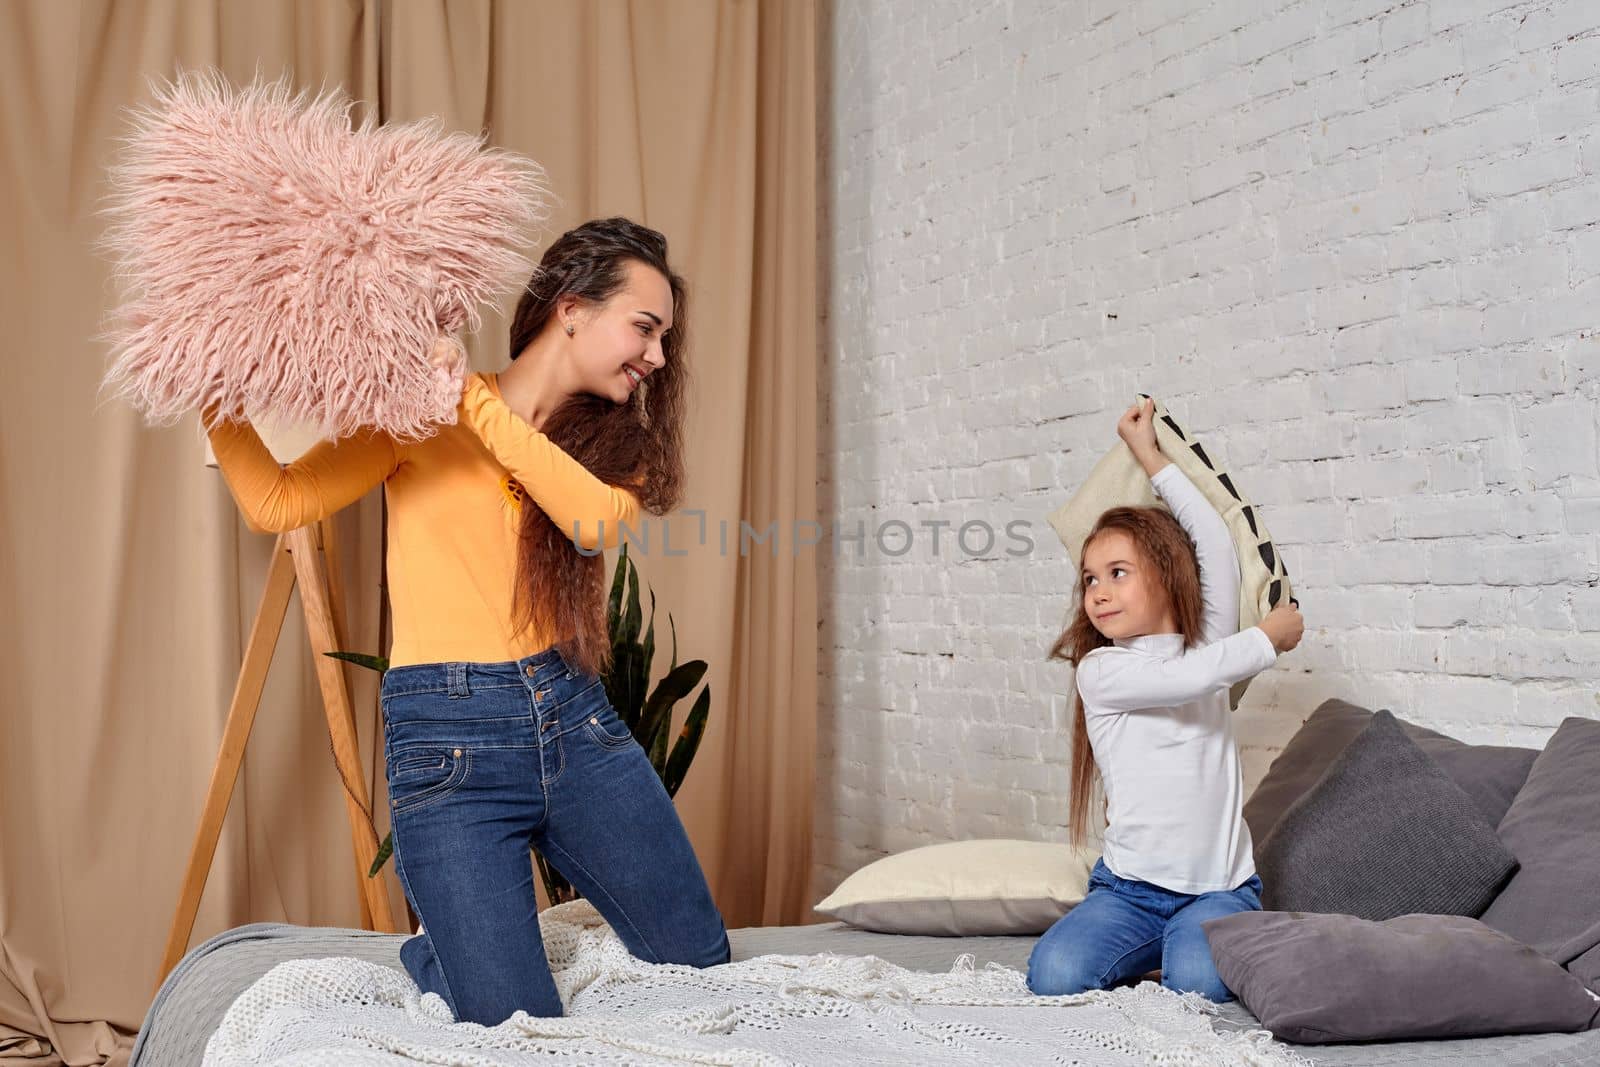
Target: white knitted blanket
768, 1011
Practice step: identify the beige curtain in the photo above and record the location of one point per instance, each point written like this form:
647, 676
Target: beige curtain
128, 583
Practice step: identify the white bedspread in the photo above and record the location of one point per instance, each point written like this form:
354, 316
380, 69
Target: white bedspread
771, 1010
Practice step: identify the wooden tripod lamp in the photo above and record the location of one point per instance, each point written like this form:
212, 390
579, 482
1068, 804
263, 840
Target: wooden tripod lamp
306, 556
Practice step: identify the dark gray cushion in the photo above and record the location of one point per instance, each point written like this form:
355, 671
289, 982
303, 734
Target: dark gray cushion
1553, 828
1490, 774
1318, 979
1384, 833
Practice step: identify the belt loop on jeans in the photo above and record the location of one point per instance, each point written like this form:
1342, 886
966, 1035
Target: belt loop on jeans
456, 675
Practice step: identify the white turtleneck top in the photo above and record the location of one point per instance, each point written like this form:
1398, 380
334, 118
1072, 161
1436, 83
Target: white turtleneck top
1160, 728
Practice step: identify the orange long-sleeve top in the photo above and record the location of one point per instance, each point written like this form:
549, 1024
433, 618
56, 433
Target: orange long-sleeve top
455, 503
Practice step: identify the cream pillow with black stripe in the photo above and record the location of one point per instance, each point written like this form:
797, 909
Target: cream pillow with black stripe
1119, 481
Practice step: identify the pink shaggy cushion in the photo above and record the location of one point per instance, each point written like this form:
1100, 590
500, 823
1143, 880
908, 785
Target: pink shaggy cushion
280, 263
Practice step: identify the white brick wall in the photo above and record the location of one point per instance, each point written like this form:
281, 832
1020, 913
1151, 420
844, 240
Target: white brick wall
1355, 245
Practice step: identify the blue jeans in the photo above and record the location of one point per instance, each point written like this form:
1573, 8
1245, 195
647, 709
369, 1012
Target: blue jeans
487, 759
1125, 928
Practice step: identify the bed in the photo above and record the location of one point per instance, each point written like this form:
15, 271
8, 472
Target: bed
192, 1001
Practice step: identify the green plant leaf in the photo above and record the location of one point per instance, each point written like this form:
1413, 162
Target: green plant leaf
384, 851
657, 719
694, 727
626, 688
610, 678
632, 617
658, 746
650, 636
361, 659
627, 680
614, 604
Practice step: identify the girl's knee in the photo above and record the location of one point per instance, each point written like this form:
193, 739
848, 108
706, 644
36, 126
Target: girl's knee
1060, 974
1195, 976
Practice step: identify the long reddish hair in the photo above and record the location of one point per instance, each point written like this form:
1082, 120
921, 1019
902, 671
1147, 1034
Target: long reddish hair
637, 445
1162, 547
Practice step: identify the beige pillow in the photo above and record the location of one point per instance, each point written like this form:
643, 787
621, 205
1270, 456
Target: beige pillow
965, 887
1119, 481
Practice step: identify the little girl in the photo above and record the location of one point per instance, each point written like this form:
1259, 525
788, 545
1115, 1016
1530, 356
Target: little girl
1156, 652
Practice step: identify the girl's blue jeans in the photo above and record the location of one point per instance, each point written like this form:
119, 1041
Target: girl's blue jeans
1125, 928
488, 760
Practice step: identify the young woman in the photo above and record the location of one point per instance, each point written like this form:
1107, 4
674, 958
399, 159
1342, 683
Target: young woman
1156, 651
497, 733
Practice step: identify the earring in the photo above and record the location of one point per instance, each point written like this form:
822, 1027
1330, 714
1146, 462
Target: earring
569, 329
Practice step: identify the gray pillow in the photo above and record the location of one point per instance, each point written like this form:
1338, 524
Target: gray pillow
1317, 979
1553, 828
1490, 774
1384, 833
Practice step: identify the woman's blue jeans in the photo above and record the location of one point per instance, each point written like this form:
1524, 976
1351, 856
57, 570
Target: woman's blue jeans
486, 760
1125, 928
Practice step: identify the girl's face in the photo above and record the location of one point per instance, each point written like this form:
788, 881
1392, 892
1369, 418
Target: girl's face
617, 345
1121, 594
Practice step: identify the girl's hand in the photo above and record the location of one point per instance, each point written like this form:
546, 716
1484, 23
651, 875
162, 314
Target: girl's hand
1284, 626
1137, 427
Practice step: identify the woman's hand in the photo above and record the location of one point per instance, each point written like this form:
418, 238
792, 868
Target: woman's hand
213, 413
449, 362
1284, 626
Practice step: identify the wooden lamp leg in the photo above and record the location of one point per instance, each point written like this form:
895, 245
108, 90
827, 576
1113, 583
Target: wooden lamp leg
295, 556
327, 532
241, 717
341, 719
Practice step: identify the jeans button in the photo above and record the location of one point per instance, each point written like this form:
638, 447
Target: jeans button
528, 671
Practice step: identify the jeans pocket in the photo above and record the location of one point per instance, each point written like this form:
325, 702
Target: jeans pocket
424, 774
607, 728
420, 763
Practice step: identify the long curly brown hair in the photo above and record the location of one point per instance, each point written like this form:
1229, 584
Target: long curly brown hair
637, 445
1163, 547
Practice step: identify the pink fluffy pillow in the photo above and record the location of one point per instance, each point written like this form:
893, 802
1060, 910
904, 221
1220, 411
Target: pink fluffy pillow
279, 262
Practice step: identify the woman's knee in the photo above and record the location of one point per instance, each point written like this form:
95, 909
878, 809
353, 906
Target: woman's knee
718, 952
709, 949
418, 958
